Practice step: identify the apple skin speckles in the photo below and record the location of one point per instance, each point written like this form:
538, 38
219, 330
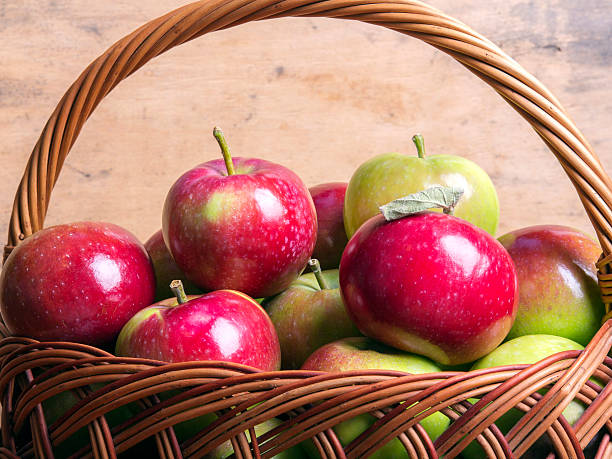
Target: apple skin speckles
224, 325
431, 284
76, 282
390, 176
558, 290
307, 316
253, 231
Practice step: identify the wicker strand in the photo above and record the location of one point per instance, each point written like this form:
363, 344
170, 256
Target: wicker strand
327, 396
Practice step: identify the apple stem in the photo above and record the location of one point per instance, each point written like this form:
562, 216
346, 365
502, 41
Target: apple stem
420, 145
227, 157
315, 266
179, 291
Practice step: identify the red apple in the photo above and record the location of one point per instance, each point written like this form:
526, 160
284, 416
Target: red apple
247, 225
328, 199
223, 325
557, 279
431, 284
166, 269
75, 282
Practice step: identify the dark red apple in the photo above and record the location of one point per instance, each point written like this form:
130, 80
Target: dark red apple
557, 278
166, 269
431, 284
223, 325
246, 224
76, 282
328, 199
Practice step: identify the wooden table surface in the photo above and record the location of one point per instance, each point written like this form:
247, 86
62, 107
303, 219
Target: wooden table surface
317, 95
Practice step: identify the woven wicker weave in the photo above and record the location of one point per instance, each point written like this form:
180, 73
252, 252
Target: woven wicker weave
309, 403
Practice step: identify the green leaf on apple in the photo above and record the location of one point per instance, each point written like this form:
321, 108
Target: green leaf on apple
434, 197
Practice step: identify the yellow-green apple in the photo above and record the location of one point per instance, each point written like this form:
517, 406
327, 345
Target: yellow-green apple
526, 349
429, 283
360, 353
328, 199
309, 314
75, 282
243, 224
166, 269
223, 325
557, 279
393, 175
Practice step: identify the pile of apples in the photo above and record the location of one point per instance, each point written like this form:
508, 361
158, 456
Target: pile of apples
403, 286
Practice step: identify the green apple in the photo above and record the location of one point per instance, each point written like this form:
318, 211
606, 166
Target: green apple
309, 314
557, 282
348, 431
390, 176
526, 349
226, 450
189, 429
361, 353
53, 409
56, 406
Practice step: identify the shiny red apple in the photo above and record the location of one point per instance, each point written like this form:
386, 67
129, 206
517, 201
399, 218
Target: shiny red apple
166, 269
223, 325
557, 279
75, 282
328, 199
431, 284
243, 224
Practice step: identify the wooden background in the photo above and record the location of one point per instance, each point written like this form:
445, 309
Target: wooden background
317, 95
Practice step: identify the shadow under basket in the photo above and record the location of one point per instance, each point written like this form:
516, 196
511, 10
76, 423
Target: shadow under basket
145, 408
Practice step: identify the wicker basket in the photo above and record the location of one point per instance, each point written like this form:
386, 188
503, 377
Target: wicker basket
308, 403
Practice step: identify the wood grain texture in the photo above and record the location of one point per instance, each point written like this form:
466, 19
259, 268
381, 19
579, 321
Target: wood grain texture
317, 95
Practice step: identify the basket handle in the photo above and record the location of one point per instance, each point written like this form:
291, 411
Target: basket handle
519, 88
